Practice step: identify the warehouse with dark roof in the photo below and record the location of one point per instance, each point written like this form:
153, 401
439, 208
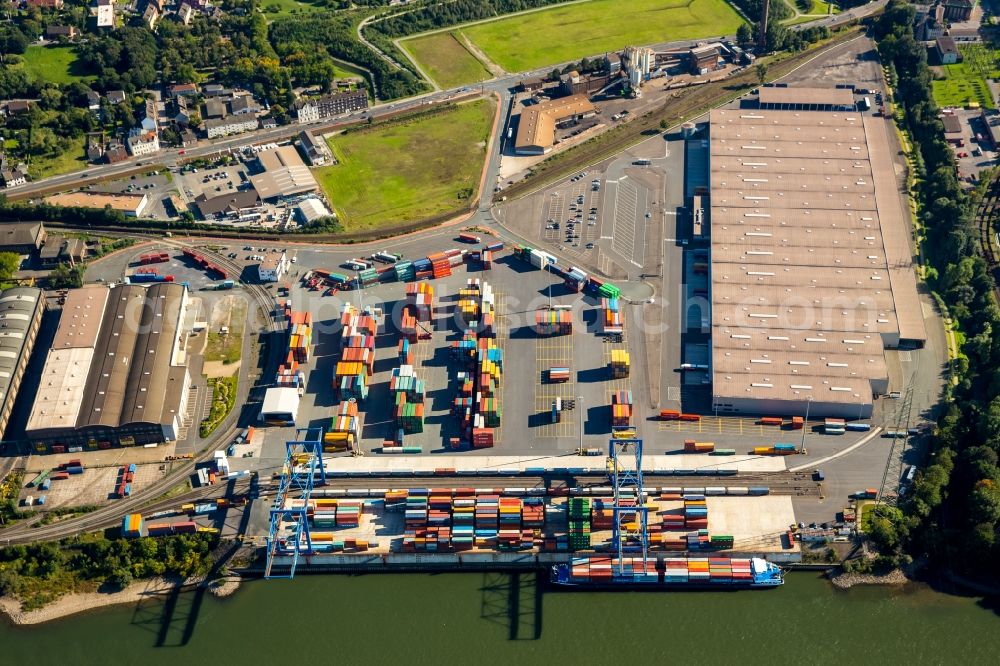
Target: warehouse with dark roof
21, 310
116, 374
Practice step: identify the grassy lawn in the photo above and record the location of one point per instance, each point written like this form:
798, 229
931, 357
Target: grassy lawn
344, 71
561, 34
56, 64
408, 170
446, 60
961, 86
73, 159
982, 59
229, 347
277, 8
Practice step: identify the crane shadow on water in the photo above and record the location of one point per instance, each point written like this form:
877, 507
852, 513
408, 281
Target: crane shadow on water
513, 600
171, 619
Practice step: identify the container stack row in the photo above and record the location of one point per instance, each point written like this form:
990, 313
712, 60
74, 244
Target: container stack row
299, 335
327, 512
418, 312
776, 450
601, 288
691, 446
706, 569
133, 526
554, 322
408, 398
578, 515
290, 376
602, 569
353, 370
620, 364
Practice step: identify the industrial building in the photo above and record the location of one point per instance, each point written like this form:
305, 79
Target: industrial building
21, 237
272, 267
116, 373
783, 98
132, 205
282, 174
537, 126
21, 310
811, 267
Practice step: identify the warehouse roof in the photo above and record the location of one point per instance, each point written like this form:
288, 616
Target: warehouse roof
81, 317
285, 174
228, 202
799, 363
20, 233
806, 96
808, 235
280, 400
129, 203
538, 122
128, 376
18, 307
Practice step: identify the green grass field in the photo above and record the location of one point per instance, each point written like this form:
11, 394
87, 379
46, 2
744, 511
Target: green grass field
56, 64
73, 159
961, 86
278, 8
443, 57
345, 71
409, 170
561, 34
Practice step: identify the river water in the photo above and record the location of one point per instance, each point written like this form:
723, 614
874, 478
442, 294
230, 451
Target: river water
504, 619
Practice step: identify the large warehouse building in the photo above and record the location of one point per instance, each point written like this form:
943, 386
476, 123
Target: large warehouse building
21, 310
116, 374
537, 125
812, 274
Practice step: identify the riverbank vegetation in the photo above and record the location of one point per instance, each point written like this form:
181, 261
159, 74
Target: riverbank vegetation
951, 514
39, 573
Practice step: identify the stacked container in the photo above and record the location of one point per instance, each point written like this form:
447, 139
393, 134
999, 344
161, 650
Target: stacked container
352, 372
620, 364
486, 259
621, 408
487, 520
368, 277
553, 322
404, 271
133, 526
695, 511
691, 446
345, 428
440, 265
299, 335
575, 279
612, 317
409, 414
579, 522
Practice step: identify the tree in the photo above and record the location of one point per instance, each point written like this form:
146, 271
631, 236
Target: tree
664, 124
120, 578
761, 70
9, 263
744, 35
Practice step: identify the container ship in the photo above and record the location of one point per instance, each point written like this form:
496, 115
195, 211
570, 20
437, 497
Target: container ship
676, 573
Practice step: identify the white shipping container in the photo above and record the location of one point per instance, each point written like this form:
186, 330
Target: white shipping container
737, 490
715, 490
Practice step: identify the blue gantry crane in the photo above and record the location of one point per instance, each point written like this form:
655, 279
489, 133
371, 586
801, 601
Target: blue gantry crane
629, 533
303, 469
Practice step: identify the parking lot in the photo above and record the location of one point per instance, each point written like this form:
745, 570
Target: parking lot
212, 182
159, 187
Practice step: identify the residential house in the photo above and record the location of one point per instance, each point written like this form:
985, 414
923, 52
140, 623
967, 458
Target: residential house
947, 50
17, 106
95, 147
185, 13
15, 176
188, 138
214, 90
216, 127
183, 90
115, 97
315, 150
332, 105
45, 4
93, 101
243, 105
148, 119
151, 15
142, 142
957, 11
268, 123
216, 109
182, 111
60, 32
115, 153
61, 250
104, 11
